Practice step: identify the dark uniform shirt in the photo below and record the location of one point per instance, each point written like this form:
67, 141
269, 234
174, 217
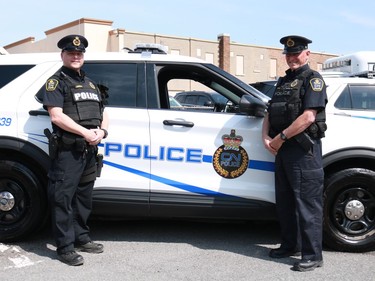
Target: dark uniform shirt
315, 96
298, 90
55, 95
77, 95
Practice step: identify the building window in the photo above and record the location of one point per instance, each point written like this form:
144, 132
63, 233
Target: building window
319, 66
240, 65
210, 58
175, 52
273, 68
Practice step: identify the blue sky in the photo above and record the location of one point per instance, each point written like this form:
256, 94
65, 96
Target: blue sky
334, 26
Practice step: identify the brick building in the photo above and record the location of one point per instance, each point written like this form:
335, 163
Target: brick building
250, 63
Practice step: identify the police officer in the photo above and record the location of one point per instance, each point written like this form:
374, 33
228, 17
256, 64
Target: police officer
292, 130
79, 124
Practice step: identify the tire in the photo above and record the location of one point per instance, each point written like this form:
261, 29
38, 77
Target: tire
349, 210
23, 201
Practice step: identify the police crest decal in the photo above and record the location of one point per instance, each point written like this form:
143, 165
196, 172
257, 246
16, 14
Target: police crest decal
231, 160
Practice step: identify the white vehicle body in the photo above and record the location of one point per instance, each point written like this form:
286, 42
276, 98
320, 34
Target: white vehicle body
358, 123
163, 162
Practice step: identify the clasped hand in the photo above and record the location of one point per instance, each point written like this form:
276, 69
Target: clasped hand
94, 136
273, 145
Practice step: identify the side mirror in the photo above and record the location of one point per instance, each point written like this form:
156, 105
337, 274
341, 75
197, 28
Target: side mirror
252, 106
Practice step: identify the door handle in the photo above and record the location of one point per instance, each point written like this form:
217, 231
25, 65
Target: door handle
178, 123
38, 112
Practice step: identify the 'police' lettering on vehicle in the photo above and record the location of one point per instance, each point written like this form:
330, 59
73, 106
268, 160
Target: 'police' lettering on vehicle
138, 151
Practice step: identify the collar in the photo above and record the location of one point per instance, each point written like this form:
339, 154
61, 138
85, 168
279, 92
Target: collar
298, 71
73, 73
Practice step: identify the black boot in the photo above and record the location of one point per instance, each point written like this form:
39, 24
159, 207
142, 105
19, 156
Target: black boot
91, 247
70, 258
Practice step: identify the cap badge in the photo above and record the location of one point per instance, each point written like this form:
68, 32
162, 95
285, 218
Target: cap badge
290, 42
76, 41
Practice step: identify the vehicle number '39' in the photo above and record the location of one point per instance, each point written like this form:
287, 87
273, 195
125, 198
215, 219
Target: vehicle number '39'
5, 121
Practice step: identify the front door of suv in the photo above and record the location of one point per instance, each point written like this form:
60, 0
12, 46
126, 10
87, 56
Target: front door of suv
205, 163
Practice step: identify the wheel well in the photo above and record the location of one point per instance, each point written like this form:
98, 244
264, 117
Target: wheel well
349, 158
26, 153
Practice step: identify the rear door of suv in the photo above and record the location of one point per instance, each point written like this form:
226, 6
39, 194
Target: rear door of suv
126, 176
357, 101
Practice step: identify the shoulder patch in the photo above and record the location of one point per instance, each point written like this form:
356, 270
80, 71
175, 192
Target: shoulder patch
51, 84
317, 84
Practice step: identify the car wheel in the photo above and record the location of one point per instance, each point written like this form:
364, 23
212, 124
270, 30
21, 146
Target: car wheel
23, 204
349, 210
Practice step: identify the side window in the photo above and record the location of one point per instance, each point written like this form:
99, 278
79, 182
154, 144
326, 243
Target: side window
10, 72
357, 97
180, 98
121, 81
197, 88
191, 99
202, 100
363, 97
344, 101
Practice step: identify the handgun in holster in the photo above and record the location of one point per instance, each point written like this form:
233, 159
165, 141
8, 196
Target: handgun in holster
304, 140
99, 164
53, 143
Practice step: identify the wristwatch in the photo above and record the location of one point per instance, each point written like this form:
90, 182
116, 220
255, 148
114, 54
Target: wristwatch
283, 136
105, 133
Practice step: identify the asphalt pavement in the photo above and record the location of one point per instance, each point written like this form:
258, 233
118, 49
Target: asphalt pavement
176, 250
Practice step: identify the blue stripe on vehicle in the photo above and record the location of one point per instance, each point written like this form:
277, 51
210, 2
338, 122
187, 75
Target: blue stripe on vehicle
177, 184
363, 117
262, 165
36, 137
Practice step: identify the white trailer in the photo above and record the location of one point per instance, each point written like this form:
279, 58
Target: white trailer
355, 64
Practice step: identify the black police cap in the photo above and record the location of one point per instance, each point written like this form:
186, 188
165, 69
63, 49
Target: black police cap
294, 44
73, 43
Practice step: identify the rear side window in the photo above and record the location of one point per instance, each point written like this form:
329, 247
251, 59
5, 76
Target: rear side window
11, 72
191, 99
121, 81
357, 97
202, 100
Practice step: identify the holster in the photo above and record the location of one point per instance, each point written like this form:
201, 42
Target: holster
304, 140
94, 171
53, 143
99, 164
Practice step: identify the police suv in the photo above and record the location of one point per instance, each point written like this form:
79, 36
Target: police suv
162, 161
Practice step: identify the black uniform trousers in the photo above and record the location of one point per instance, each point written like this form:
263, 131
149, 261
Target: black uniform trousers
299, 179
70, 200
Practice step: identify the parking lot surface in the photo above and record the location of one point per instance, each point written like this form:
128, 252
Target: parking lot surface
177, 250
